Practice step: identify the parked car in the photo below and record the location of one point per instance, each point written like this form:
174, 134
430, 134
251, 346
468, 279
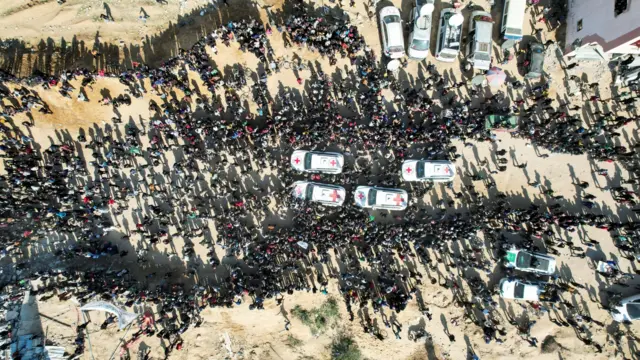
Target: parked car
627, 310
420, 36
513, 15
428, 170
326, 194
318, 162
479, 43
381, 198
518, 289
449, 35
535, 59
530, 262
392, 36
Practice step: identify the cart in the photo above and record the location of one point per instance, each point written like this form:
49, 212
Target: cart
507, 123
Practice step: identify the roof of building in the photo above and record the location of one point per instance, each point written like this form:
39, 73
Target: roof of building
586, 26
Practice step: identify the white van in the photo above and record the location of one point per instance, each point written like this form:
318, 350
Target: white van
512, 19
428, 170
479, 40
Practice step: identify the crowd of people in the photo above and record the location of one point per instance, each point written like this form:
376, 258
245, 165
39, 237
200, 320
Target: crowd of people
191, 169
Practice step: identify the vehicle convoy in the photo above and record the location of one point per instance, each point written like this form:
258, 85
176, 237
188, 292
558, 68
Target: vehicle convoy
428, 170
317, 162
325, 194
391, 32
530, 262
381, 198
420, 35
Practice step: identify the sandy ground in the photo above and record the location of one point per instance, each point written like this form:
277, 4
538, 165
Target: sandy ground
261, 335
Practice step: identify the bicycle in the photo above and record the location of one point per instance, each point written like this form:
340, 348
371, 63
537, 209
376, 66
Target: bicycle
285, 63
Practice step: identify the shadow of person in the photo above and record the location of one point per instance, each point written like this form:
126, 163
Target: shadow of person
107, 11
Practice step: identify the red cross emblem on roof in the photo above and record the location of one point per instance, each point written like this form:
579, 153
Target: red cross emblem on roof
297, 161
447, 170
333, 162
298, 191
334, 196
408, 170
360, 195
398, 199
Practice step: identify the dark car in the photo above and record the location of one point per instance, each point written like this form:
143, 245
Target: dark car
535, 59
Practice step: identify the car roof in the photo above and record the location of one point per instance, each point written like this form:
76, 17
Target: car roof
530, 291
394, 34
423, 24
390, 197
483, 31
324, 160
537, 58
328, 193
516, 14
438, 169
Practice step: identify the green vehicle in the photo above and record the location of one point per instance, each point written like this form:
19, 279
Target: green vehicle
501, 122
530, 262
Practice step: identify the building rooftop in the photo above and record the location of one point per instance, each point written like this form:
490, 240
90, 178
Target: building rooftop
613, 23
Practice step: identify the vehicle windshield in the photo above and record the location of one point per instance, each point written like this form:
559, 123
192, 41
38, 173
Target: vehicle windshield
307, 161
372, 197
391, 19
633, 310
309, 194
420, 169
444, 54
420, 44
518, 292
481, 56
523, 260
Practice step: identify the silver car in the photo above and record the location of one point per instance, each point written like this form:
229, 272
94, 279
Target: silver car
420, 36
392, 36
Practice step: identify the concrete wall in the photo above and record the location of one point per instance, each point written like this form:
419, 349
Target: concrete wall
626, 48
600, 25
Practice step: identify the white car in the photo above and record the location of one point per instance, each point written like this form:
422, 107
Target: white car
392, 36
317, 162
479, 43
420, 36
381, 198
530, 262
449, 35
428, 170
628, 310
520, 289
326, 194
